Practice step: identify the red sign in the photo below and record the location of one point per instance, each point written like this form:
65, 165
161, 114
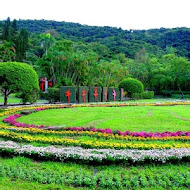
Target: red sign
83, 95
95, 93
114, 94
122, 93
50, 83
42, 84
105, 95
68, 94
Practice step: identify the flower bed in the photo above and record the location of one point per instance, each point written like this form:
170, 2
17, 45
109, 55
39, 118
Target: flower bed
94, 134
96, 155
93, 150
12, 121
89, 143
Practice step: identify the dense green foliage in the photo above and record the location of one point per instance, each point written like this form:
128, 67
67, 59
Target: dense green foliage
14, 43
78, 55
131, 86
143, 95
129, 42
56, 175
18, 77
53, 95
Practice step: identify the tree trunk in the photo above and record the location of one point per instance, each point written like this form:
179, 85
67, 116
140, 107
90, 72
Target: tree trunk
5, 97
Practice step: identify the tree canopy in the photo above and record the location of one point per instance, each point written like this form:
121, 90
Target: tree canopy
18, 77
74, 54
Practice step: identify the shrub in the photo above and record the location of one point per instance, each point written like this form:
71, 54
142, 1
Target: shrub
19, 77
53, 95
143, 95
131, 86
42, 95
170, 93
178, 96
179, 92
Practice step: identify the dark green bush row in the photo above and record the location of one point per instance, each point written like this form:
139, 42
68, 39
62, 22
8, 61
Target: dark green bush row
169, 93
179, 92
178, 96
100, 180
143, 95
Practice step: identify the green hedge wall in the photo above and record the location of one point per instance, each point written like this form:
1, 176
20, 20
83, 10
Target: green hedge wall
143, 95
82, 89
65, 91
111, 96
92, 91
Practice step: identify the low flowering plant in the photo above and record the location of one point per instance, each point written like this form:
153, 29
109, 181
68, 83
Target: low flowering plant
96, 155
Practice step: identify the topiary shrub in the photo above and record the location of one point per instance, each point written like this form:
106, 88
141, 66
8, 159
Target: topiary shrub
53, 95
131, 86
19, 77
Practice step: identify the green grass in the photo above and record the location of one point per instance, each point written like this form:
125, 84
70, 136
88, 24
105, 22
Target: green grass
133, 118
7, 183
14, 100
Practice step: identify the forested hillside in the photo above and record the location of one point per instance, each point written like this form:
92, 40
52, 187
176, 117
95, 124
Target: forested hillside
75, 54
119, 41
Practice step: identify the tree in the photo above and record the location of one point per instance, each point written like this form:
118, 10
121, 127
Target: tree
18, 77
7, 51
46, 42
131, 85
14, 30
7, 29
22, 45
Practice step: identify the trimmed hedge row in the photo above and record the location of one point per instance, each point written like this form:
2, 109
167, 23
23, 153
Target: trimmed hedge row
169, 93
143, 95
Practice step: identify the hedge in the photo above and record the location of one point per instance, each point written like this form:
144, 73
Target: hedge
143, 95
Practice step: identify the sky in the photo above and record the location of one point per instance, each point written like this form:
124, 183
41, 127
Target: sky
127, 14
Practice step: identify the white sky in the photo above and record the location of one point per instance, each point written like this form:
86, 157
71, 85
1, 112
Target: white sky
127, 14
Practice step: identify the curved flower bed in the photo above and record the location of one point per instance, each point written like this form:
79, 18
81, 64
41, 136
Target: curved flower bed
89, 143
97, 155
93, 150
94, 134
12, 121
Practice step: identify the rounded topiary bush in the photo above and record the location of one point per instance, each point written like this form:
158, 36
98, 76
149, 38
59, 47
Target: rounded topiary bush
19, 77
131, 86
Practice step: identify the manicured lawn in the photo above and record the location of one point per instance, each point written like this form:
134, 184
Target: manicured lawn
133, 118
11, 99
14, 100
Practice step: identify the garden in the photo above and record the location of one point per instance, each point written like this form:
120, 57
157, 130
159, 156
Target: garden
88, 107
96, 146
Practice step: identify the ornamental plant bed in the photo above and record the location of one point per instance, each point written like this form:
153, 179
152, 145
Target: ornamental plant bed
90, 150
95, 155
12, 120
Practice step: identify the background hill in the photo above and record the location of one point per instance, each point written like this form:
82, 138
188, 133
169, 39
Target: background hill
117, 40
